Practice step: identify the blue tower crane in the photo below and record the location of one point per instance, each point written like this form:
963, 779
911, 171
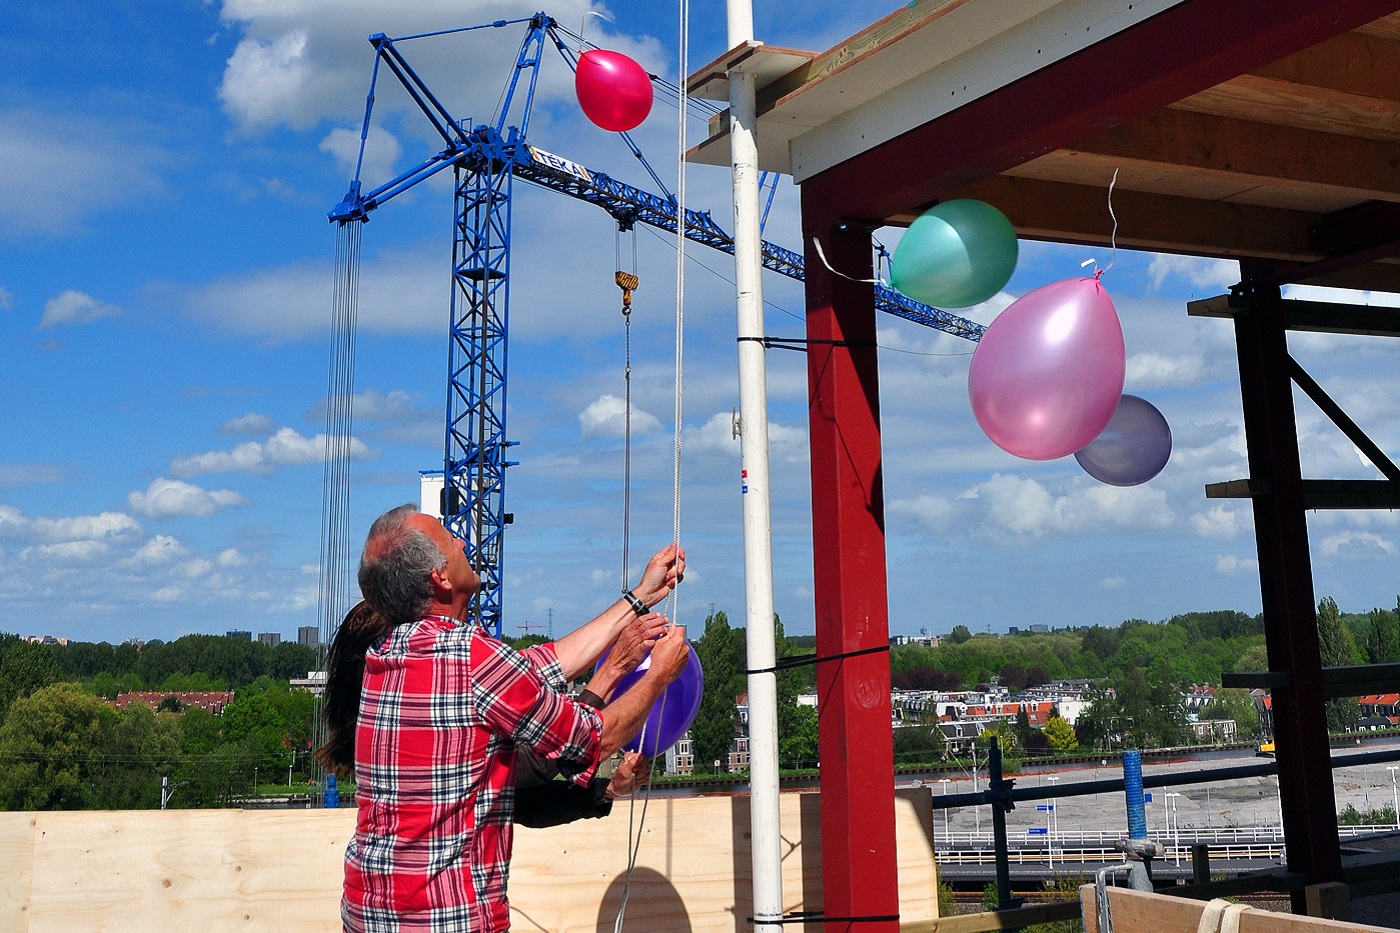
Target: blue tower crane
486, 159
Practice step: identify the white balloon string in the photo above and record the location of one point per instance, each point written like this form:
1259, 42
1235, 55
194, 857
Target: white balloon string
1113, 237
583, 20
822, 256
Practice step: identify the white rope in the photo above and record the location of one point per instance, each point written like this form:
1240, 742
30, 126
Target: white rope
672, 610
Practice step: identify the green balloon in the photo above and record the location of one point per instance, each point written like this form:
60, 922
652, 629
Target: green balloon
955, 255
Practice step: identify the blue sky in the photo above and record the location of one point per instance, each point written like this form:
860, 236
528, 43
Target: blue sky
165, 304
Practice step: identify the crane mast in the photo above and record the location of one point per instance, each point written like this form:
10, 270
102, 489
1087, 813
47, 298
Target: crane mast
486, 159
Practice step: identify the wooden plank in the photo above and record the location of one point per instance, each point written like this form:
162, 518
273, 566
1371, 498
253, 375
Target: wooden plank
217, 870
1244, 153
205, 870
16, 874
1141, 912
1013, 919
1251, 97
1350, 63
1068, 213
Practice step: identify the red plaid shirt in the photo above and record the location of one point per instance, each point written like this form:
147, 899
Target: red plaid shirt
442, 708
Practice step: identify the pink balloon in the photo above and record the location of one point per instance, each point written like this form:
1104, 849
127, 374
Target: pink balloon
613, 90
1047, 374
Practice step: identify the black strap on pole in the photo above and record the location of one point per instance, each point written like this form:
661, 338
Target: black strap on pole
803, 660
800, 344
816, 916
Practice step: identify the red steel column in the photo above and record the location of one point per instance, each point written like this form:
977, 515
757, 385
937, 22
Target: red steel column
852, 606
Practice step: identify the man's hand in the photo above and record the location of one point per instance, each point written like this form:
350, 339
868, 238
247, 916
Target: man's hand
633, 772
670, 654
634, 643
664, 571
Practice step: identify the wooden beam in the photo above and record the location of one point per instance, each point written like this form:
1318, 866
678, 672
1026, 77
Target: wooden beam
988, 921
1141, 69
1319, 493
1069, 213
1244, 153
1351, 63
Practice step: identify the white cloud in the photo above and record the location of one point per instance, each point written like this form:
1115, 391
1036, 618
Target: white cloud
382, 151
607, 417
168, 498
262, 458
230, 557
1362, 543
74, 307
262, 77
1198, 271
933, 512
106, 526
249, 425
160, 549
1218, 522
1229, 563
68, 552
786, 445
1023, 507
1153, 370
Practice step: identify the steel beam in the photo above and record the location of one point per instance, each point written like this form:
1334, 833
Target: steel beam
859, 877
1285, 579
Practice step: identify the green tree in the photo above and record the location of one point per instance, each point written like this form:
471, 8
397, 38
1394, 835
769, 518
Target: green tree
1382, 637
797, 725
713, 730
52, 744
1237, 705
140, 747
1060, 734
24, 667
959, 634
1338, 649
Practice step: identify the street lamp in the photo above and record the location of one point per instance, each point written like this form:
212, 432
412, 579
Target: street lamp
1395, 793
1174, 821
947, 836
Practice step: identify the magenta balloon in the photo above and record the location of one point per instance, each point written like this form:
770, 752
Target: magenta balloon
1047, 374
1132, 449
613, 90
673, 711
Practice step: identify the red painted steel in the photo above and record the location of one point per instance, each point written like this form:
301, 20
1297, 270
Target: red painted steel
852, 608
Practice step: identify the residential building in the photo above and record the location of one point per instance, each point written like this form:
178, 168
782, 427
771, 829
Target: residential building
309, 635
271, 639
240, 634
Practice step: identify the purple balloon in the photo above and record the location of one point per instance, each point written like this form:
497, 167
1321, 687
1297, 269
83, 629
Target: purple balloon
673, 711
1046, 376
1132, 449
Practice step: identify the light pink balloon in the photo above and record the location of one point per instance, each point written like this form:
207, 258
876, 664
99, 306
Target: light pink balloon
1047, 374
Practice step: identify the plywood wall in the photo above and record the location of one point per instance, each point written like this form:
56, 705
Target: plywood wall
250, 870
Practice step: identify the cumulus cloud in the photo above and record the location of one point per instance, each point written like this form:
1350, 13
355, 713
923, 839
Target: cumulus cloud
62, 530
1200, 272
74, 307
606, 417
249, 425
932, 512
1154, 370
1229, 564
262, 458
1359, 543
1218, 522
382, 151
1023, 507
159, 549
168, 498
262, 76
67, 552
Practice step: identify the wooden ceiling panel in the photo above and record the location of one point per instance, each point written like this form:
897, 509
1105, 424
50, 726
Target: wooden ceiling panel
1351, 63
1387, 27
1250, 97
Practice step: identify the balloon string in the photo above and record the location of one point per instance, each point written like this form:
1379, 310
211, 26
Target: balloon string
584, 19
822, 256
1113, 237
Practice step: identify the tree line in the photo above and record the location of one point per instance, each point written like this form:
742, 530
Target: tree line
62, 746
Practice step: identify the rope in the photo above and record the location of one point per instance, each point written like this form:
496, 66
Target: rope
334, 585
683, 69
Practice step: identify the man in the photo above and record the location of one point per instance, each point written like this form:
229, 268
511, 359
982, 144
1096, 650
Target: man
442, 709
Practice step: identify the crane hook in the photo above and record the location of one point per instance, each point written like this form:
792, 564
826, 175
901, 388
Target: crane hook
628, 282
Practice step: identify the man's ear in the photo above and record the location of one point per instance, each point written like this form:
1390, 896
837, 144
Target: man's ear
442, 587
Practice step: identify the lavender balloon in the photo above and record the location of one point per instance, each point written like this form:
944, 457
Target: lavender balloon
1047, 374
1132, 449
673, 711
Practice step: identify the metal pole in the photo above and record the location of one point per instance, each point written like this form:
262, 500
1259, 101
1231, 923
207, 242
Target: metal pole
1395, 793
1003, 854
947, 836
753, 456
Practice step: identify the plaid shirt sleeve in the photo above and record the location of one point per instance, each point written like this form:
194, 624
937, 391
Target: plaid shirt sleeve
545, 661
515, 700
